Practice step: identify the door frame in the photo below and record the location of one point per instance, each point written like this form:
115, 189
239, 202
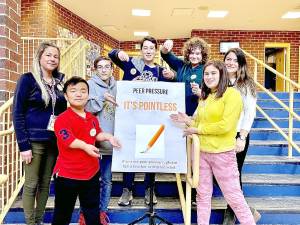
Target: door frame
287, 46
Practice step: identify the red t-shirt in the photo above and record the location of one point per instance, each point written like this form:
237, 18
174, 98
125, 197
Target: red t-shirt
75, 163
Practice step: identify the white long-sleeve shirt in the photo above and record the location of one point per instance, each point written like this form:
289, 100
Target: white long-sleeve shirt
249, 112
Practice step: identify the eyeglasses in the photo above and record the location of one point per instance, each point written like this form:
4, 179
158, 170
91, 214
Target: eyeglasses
107, 67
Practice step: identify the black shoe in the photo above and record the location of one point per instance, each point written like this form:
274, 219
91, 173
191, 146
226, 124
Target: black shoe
229, 217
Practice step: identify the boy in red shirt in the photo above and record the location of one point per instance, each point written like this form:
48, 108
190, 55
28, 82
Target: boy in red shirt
77, 167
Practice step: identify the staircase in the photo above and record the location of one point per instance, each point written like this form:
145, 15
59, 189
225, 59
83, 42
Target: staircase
271, 179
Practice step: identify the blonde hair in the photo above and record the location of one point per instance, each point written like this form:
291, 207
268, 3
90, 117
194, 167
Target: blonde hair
37, 71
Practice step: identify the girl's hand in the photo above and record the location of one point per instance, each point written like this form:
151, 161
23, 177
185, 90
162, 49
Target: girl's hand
167, 46
196, 89
26, 156
181, 118
240, 145
189, 131
168, 74
123, 56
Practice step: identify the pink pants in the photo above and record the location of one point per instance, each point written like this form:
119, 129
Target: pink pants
224, 167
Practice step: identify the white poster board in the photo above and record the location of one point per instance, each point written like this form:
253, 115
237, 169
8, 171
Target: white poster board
151, 142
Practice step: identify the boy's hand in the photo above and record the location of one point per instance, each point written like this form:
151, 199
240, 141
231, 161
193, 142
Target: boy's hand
123, 56
168, 74
92, 151
114, 142
110, 98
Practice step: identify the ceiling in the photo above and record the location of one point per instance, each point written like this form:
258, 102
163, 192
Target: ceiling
114, 16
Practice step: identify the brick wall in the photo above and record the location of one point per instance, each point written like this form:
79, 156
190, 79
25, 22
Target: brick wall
43, 18
10, 57
251, 41
130, 45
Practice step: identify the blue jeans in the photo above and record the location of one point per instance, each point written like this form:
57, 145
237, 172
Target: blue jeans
105, 182
128, 180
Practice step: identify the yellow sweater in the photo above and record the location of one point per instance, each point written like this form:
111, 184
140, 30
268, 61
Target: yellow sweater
216, 120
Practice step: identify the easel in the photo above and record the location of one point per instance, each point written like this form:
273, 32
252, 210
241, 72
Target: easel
151, 214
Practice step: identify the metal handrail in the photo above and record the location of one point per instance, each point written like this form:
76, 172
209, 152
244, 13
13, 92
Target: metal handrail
290, 109
271, 69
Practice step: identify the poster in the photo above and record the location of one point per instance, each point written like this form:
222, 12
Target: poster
151, 142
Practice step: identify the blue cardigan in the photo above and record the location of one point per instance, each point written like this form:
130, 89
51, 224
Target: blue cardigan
30, 115
136, 68
184, 72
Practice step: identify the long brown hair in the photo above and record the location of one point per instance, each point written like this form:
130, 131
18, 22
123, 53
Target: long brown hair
223, 81
244, 81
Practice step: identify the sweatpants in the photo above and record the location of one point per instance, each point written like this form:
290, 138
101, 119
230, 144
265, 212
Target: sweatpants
224, 167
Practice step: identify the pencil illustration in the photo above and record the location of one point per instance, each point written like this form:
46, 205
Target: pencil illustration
154, 138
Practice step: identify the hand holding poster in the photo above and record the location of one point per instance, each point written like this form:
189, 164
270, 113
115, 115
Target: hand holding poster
151, 142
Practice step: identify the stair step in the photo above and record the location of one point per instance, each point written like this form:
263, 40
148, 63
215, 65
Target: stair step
280, 95
264, 133
272, 103
169, 208
281, 122
276, 112
268, 164
267, 147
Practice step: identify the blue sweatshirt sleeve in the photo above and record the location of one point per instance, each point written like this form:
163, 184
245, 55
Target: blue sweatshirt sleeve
173, 61
113, 55
20, 106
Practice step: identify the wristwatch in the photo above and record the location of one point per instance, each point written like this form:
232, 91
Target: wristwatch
243, 138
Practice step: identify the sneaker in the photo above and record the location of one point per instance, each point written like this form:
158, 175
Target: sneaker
229, 217
256, 214
81, 220
104, 220
126, 198
147, 197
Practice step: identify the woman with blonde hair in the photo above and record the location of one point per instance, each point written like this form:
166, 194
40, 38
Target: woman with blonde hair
38, 100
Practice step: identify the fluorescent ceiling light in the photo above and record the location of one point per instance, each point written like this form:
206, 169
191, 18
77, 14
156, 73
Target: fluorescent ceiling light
291, 15
141, 33
140, 12
217, 14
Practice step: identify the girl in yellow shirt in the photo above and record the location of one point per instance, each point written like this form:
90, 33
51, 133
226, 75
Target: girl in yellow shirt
215, 122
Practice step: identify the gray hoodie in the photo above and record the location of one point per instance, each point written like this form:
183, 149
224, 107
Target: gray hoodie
104, 110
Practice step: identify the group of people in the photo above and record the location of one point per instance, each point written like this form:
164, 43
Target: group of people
75, 144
